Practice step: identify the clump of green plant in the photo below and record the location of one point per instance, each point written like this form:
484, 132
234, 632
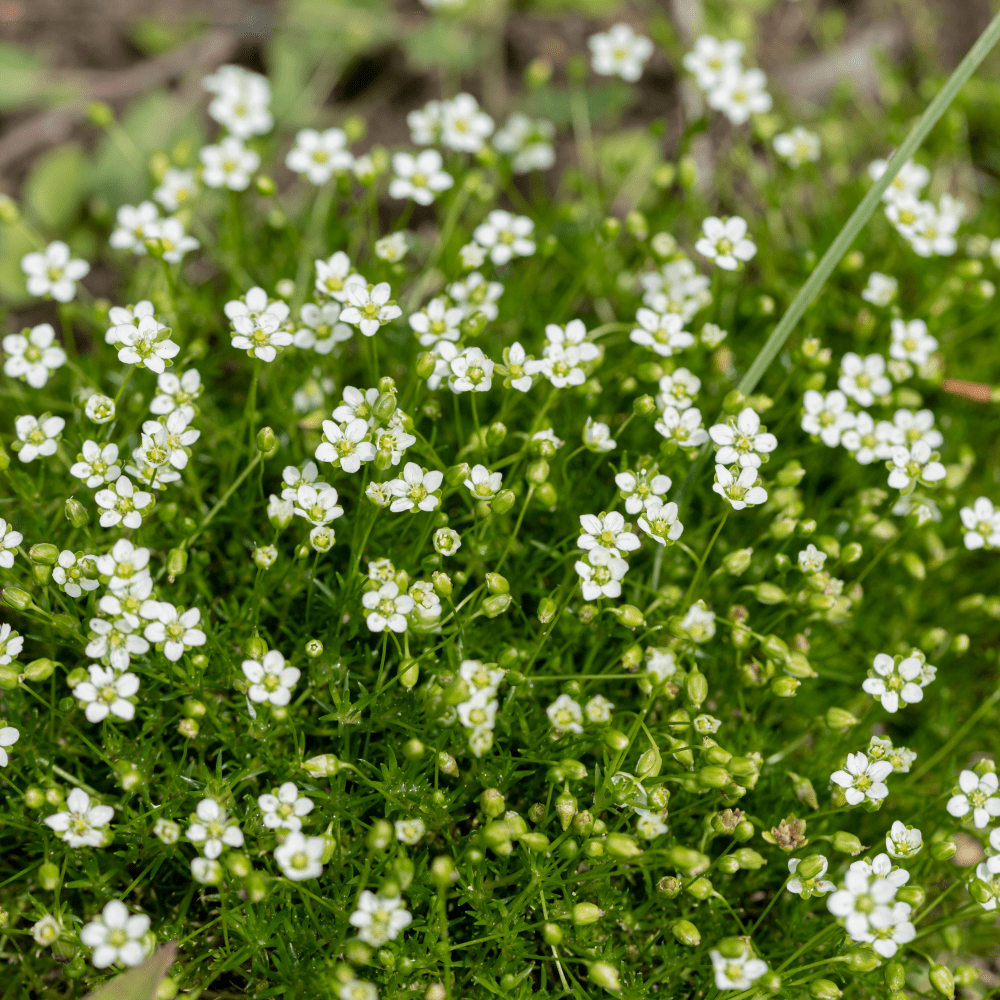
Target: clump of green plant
474, 608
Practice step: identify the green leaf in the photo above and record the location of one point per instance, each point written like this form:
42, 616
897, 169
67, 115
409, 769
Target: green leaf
140, 983
54, 188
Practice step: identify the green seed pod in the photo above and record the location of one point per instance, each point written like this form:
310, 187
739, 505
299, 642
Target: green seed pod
495, 434
912, 894
750, 860
650, 764
736, 563
942, 980
583, 823
44, 553
714, 777
534, 841
48, 876
34, 797
39, 670
443, 869
620, 845
593, 849
496, 605
266, 441
606, 976
700, 888
324, 765
840, 718
502, 502
744, 831
966, 975
538, 472
586, 913
846, 843
177, 560
384, 407
770, 981
696, 687
728, 864
552, 934
943, 850
980, 891
266, 187
497, 584
447, 764
825, 989
669, 886
426, 363
769, 593
810, 867
409, 674
76, 513
785, 687
687, 860
614, 739
629, 616
895, 976
686, 933
457, 474
16, 598
546, 610
851, 552
380, 835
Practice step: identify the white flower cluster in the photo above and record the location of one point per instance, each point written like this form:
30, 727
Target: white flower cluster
718, 70
928, 228
478, 712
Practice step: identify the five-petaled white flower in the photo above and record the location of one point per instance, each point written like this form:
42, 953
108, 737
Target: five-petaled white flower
300, 857
317, 506
370, 307
437, 321
739, 488
114, 642
319, 155
863, 378
739, 973
345, 447
725, 241
147, 345
710, 58
981, 521
135, 225
682, 429
270, 679
811, 559
483, 484
241, 100
335, 276
471, 371
379, 919
607, 531
52, 272
38, 437
897, 684
80, 823
229, 164
880, 290
464, 125
642, 488
518, 367
916, 464
740, 93
827, 416
177, 629
976, 795
903, 841
565, 715
419, 177
505, 236
678, 389
32, 356
798, 146
619, 52
659, 521
177, 188
9, 541
815, 885
387, 608
409, 831
214, 830
863, 779
597, 436
8, 737
96, 465
284, 810
416, 489
320, 330
600, 574
663, 333
911, 341
741, 441
116, 936
865, 894
123, 504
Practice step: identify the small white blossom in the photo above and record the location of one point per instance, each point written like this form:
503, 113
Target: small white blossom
171, 239
379, 919
976, 796
903, 841
11, 643
8, 737
917, 464
619, 52
682, 429
740, 93
419, 177
300, 857
69, 574
642, 488
228, 164
409, 831
597, 436
214, 830
710, 59
123, 504
981, 521
416, 489
528, 143
826, 417
867, 440
699, 622
317, 506
865, 894
898, 684
736, 973
335, 277
116, 936
370, 308
9, 541
650, 824
863, 779
911, 179
96, 465
241, 100
177, 629
505, 236
178, 188
565, 715
270, 679
465, 127
124, 564
798, 146
725, 241
46, 931
387, 608
600, 574
483, 484
880, 290
284, 810
678, 389
811, 559
661, 332
393, 247
114, 642
436, 321
39, 438
608, 532
741, 440
863, 378
471, 371
52, 272
739, 489
319, 155
80, 824
147, 345
175, 393
815, 886
477, 295
659, 521
99, 409
345, 446
34, 357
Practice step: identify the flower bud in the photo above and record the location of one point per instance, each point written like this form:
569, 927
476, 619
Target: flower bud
614, 739
769, 593
443, 869
605, 975
177, 560
442, 583
846, 843
912, 894
39, 670
649, 764
265, 556
943, 850
325, 765
785, 687
966, 975
644, 406
76, 513
255, 648
714, 777
810, 867
280, 512
583, 822
502, 502
447, 764
895, 976
737, 562
840, 718
495, 434
384, 407
980, 891
457, 474
687, 860
749, 859
492, 803
497, 584
538, 472
728, 865
620, 845
48, 875
552, 934
546, 610
942, 980
700, 888
266, 441
696, 687
16, 598
629, 615
534, 841
409, 674
825, 989
44, 552
686, 933
380, 835
496, 605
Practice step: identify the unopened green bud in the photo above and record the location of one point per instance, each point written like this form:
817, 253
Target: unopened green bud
447, 764
791, 474
614, 739
810, 867
457, 474
980, 891
496, 605
44, 553
846, 843
583, 822
700, 888
687, 860
966, 975
737, 562
538, 472
546, 610
266, 441
714, 777
769, 593
943, 850
442, 583
840, 718
912, 894
552, 934
48, 876
255, 647
744, 831
593, 849
649, 765
76, 513
851, 552
620, 845
384, 407
606, 976
39, 670
177, 560
804, 790
16, 598
443, 869
629, 615
534, 841
492, 802
942, 980
785, 687
380, 836
632, 657
497, 584
728, 865
426, 363
409, 674
825, 989
502, 502
895, 976
644, 406
749, 859
770, 981
687, 172
696, 687
495, 434
686, 933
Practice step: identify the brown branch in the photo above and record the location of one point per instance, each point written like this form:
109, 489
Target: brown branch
970, 390
51, 127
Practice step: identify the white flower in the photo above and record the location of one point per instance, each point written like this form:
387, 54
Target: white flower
710, 58
437, 322
917, 464
175, 393
827, 416
147, 345
270, 679
597, 436
126, 316
229, 164
811, 559
908, 214
908, 428
678, 389
447, 541
370, 308
483, 484
659, 521
566, 351
880, 290
891, 683
125, 564
608, 532
9, 541
987, 875
740, 489
172, 240
241, 100
598, 710
214, 829
798, 146
976, 795
518, 368
505, 236
863, 779
419, 177
259, 334
477, 295
167, 831
565, 715
619, 52
725, 241
177, 189
38, 438
176, 629
888, 930
207, 871
903, 841
319, 155
8, 737
100, 409
527, 142
864, 896
387, 608
642, 488
334, 277
866, 440
96, 465
739, 93
123, 504
601, 574
736, 973
31, 358
317, 506
911, 341
379, 919
52, 272
131, 602
380, 494
741, 440
472, 255
863, 378
392, 441
911, 179
416, 489
409, 831
933, 233
299, 857
285, 810
10, 642
80, 824
471, 371
116, 936
392, 247
356, 405
345, 446
114, 641
168, 438
425, 124
464, 125
650, 824
683, 429
881, 867
660, 663
815, 886
981, 521
46, 931
661, 332
480, 711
